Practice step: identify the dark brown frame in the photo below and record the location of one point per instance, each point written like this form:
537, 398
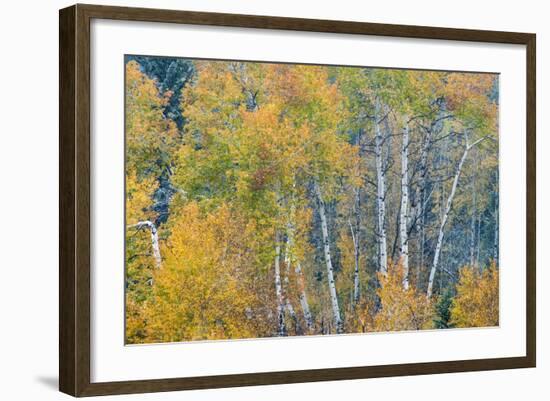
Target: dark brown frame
74, 199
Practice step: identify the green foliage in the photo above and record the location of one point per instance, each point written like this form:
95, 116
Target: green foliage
442, 318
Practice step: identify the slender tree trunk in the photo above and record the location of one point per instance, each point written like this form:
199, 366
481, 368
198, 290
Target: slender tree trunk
328, 261
303, 297
354, 236
422, 199
154, 239
446, 216
380, 194
286, 292
354, 230
444, 222
292, 314
289, 258
404, 215
281, 327
422, 243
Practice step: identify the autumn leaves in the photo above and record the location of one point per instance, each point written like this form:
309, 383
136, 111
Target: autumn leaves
283, 193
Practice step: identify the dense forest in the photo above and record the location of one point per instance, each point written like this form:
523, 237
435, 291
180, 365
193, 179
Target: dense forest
267, 199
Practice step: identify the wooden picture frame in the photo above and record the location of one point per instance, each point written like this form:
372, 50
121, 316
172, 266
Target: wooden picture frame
74, 199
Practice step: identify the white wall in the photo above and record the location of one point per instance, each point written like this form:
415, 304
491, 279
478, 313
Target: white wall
28, 197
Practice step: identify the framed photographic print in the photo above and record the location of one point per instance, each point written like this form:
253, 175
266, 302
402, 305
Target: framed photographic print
250, 200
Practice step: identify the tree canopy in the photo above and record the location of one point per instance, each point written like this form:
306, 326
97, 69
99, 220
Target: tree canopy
275, 199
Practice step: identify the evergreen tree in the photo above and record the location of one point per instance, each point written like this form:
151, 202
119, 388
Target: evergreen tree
442, 318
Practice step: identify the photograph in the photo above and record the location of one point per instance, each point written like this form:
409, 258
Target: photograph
270, 199
274, 200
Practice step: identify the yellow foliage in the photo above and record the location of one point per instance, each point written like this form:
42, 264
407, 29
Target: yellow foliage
212, 103
401, 309
139, 195
139, 259
477, 300
148, 134
135, 320
362, 318
205, 288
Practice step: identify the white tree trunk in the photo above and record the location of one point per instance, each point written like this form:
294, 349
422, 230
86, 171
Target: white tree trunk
422, 241
380, 193
354, 230
300, 280
291, 313
303, 297
404, 216
281, 328
446, 216
154, 239
355, 239
288, 263
328, 261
